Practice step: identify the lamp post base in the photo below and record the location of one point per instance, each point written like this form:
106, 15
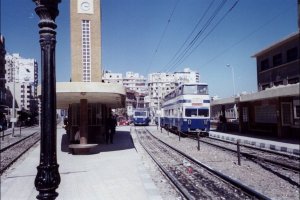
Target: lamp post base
47, 181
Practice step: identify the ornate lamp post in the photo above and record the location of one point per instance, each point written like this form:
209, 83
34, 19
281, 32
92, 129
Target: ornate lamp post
47, 178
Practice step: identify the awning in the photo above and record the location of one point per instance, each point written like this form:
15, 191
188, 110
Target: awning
111, 94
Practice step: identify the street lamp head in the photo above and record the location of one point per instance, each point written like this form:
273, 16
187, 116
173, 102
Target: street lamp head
228, 65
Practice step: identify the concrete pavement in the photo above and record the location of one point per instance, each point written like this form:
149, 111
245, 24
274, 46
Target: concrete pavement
111, 171
271, 144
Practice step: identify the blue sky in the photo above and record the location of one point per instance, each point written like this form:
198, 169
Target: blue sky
132, 29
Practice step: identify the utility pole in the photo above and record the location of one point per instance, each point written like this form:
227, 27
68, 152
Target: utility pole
12, 64
233, 82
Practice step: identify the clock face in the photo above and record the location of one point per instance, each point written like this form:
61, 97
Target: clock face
85, 6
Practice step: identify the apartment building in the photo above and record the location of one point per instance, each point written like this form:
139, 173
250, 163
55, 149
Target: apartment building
136, 88
21, 80
3, 103
160, 84
109, 77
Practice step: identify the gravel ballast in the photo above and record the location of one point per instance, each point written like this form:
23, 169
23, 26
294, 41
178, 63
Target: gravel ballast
249, 173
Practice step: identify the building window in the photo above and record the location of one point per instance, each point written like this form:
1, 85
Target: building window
292, 54
264, 65
296, 109
277, 60
86, 50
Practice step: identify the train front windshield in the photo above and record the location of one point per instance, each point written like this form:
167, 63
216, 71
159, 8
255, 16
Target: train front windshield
195, 89
194, 112
140, 114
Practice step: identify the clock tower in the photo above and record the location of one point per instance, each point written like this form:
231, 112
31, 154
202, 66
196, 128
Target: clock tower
85, 40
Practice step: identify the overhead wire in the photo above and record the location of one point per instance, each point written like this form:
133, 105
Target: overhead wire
162, 36
183, 53
192, 32
212, 29
246, 36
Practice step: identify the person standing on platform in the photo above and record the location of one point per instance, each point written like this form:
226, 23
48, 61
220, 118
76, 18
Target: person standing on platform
112, 123
223, 121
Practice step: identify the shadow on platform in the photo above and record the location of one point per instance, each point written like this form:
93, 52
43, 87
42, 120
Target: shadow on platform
122, 141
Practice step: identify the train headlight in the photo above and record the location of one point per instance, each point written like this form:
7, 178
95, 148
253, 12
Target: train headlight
206, 121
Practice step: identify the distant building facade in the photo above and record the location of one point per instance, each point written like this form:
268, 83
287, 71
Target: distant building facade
131, 81
3, 103
109, 77
186, 76
160, 84
136, 88
135, 82
21, 79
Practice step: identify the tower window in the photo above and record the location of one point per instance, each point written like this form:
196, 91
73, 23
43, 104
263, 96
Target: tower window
86, 50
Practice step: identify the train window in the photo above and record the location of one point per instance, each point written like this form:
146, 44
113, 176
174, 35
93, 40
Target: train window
190, 112
140, 113
202, 89
203, 112
190, 89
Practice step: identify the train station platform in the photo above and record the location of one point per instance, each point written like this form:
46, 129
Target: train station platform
110, 171
283, 145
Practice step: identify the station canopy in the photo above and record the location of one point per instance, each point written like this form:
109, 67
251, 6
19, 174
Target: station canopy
111, 94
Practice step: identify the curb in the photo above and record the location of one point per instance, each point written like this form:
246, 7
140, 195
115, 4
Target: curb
257, 144
148, 183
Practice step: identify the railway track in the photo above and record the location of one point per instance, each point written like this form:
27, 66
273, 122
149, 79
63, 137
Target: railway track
279, 164
192, 178
13, 151
283, 160
4, 134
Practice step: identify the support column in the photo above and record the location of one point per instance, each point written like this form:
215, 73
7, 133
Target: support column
83, 121
240, 117
278, 115
47, 178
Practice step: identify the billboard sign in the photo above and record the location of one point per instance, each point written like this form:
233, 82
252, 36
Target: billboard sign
26, 70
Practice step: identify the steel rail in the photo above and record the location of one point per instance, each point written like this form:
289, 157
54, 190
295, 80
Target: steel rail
16, 158
232, 181
251, 157
15, 143
8, 132
173, 180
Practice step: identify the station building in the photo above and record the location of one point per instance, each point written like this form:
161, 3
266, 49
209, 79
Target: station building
275, 109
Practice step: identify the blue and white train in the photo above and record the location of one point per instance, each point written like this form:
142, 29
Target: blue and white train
187, 109
141, 117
